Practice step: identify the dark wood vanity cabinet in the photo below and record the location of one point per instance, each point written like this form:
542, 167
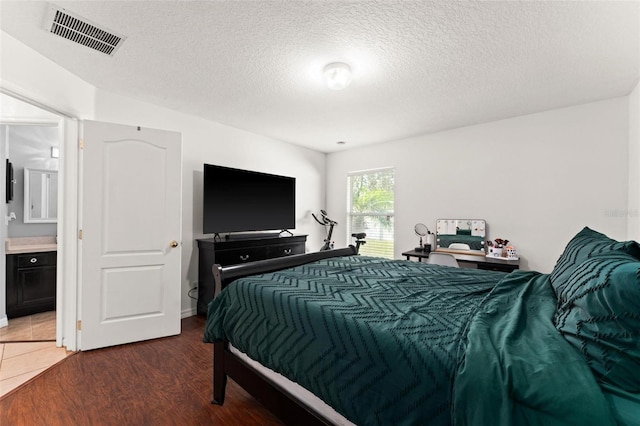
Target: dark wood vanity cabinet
242, 250
31, 283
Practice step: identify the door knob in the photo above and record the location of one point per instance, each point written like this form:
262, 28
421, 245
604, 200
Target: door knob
173, 244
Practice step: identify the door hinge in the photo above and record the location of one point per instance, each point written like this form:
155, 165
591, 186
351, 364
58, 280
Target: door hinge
79, 325
80, 234
81, 143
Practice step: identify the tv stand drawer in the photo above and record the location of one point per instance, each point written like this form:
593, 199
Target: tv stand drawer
248, 254
235, 251
282, 250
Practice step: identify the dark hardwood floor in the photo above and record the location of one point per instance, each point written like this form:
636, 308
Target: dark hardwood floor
158, 382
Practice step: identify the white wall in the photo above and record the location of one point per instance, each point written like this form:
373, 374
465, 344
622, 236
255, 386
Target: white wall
26, 72
208, 142
634, 165
536, 179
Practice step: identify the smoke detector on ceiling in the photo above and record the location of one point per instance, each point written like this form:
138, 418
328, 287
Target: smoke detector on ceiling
68, 25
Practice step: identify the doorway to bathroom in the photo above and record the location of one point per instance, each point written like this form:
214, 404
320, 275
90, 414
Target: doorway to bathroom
83, 175
29, 146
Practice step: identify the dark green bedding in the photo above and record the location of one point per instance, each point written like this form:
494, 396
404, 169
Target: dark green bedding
518, 369
397, 342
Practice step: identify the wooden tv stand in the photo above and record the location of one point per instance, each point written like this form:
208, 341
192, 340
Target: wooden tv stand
240, 250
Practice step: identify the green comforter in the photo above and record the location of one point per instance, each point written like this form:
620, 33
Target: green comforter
397, 342
518, 369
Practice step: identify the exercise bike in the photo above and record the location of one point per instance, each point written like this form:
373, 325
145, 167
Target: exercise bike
328, 244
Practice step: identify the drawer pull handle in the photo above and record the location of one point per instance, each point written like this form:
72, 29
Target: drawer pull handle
244, 258
33, 260
287, 251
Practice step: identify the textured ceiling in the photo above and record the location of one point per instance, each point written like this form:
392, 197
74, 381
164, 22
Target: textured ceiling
419, 67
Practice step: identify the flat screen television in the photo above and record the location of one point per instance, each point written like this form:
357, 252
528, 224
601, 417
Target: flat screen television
236, 200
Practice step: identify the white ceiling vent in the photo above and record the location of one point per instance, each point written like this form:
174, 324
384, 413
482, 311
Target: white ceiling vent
80, 30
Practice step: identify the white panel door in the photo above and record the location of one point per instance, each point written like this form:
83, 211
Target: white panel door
131, 230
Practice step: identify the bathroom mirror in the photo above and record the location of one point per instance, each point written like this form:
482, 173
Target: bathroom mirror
40, 196
461, 235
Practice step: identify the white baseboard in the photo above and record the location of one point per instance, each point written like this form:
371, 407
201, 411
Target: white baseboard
186, 313
4, 321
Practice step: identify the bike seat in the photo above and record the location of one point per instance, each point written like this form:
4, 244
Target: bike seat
359, 235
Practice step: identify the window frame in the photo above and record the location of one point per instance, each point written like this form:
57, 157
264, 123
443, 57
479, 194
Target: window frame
385, 214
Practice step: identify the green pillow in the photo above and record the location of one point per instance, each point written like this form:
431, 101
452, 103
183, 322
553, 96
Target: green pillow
599, 314
586, 244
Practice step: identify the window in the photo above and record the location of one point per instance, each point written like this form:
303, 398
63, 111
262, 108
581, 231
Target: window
371, 196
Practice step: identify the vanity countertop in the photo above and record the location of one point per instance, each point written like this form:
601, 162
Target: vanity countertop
19, 245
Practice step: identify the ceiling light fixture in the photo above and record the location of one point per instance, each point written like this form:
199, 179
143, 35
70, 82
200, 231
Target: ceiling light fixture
337, 75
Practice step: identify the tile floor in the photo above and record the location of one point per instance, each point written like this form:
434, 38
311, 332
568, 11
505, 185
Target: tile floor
27, 348
20, 362
36, 327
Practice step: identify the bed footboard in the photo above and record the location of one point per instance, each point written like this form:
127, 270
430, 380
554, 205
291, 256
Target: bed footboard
224, 275
226, 364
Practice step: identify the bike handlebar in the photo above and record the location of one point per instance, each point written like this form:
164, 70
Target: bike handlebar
325, 220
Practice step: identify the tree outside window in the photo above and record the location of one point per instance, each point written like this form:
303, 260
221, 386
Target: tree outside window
371, 204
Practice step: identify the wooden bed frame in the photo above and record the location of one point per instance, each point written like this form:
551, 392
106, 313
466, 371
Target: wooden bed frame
226, 364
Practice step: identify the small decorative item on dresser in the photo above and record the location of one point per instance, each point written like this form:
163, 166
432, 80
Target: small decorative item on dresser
495, 251
500, 248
